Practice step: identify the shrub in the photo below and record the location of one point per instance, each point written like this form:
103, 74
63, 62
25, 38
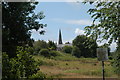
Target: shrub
67, 49
44, 52
38, 45
21, 66
30, 50
39, 76
54, 53
76, 52
110, 57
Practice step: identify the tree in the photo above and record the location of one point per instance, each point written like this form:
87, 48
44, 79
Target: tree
108, 14
52, 45
18, 21
40, 44
67, 49
86, 45
76, 52
22, 66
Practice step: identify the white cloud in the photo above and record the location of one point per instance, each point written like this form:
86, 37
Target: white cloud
79, 32
80, 22
76, 22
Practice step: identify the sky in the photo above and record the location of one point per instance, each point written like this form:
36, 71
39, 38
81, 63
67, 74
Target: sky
70, 17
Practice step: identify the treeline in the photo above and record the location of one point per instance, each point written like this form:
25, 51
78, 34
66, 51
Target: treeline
82, 46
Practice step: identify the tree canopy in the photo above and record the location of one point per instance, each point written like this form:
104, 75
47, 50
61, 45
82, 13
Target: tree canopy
108, 15
86, 45
40, 44
52, 45
18, 21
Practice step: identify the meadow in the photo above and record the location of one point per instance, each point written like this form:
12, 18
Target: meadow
68, 66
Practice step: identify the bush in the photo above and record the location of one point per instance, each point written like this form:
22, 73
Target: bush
54, 53
67, 49
38, 45
39, 76
30, 49
76, 52
21, 66
44, 52
110, 57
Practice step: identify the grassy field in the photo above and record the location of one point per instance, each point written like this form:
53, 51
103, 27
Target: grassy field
68, 66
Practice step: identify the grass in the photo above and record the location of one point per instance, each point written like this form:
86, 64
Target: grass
66, 65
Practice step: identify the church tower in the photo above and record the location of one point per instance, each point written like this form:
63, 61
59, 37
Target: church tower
60, 37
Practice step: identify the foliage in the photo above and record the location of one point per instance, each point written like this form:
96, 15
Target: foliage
52, 45
21, 66
108, 14
30, 50
5, 66
66, 63
44, 52
116, 62
38, 45
67, 49
86, 45
18, 21
76, 52
54, 53
38, 75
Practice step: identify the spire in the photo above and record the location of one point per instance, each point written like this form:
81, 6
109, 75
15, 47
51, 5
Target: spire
60, 37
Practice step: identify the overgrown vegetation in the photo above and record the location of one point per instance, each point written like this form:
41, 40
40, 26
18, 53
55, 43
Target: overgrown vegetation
22, 66
25, 58
63, 65
67, 49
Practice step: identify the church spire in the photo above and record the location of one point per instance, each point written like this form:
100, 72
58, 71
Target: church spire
60, 37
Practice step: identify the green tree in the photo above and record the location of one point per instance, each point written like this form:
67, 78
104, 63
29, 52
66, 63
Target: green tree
52, 45
18, 21
108, 14
67, 49
22, 66
38, 45
76, 52
86, 45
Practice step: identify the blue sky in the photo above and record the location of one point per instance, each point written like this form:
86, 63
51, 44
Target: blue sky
67, 16
70, 17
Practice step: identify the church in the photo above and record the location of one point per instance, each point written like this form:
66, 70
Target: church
60, 44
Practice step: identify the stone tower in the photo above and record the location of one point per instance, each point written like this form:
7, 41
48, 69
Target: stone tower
60, 37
